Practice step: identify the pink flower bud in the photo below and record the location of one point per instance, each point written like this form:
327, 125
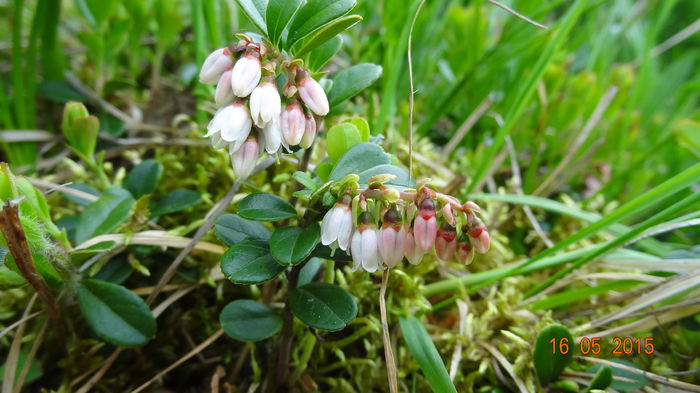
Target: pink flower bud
446, 243
448, 214
293, 124
465, 252
336, 227
265, 104
364, 248
425, 226
309, 133
313, 96
224, 95
246, 75
480, 239
214, 65
273, 136
244, 159
412, 253
391, 238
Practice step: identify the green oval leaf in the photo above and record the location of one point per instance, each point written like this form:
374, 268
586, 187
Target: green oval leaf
291, 245
248, 320
231, 229
358, 159
175, 201
325, 33
255, 11
603, 378
423, 350
340, 139
315, 14
265, 207
361, 125
323, 306
278, 14
249, 262
549, 363
402, 178
350, 81
324, 53
143, 178
104, 215
115, 313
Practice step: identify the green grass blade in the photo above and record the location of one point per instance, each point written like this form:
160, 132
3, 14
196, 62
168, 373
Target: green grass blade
526, 91
656, 219
638, 204
423, 350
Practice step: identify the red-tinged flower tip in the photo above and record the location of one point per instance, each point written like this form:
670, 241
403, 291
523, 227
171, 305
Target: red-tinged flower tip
246, 74
448, 214
446, 243
412, 253
313, 96
465, 252
293, 123
469, 205
309, 133
391, 239
480, 239
214, 65
244, 159
425, 226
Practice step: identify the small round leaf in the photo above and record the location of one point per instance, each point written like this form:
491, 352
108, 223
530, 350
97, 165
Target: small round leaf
323, 306
248, 320
231, 229
341, 138
551, 361
265, 207
249, 262
291, 245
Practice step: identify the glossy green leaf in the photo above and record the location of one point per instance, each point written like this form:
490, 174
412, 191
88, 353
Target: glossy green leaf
350, 81
325, 33
104, 215
115, 313
255, 11
323, 306
358, 159
324, 53
323, 170
278, 14
402, 178
361, 125
550, 362
602, 379
175, 201
265, 207
144, 178
426, 355
248, 320
250, 262
59, 91
314, 14
291, 245
340, 139
231, 229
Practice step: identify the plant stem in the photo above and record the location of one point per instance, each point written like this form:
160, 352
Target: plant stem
388, 350
285, 347
11, 228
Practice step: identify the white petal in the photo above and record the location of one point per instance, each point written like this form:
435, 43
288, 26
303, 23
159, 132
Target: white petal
370, 253
356, 249
328, 232
345, 229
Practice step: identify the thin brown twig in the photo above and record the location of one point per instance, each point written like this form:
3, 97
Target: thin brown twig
199, 348
517, 14
87, 387
13, 355
464, 128
30, 357
386, 337
16, 239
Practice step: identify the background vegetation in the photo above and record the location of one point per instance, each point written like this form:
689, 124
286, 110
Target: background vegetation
579, 141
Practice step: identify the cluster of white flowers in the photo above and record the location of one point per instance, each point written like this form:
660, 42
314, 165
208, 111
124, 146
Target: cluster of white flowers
407, 228
251, 118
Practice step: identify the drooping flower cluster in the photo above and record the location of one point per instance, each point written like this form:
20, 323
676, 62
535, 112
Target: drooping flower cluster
253, 117
380, 228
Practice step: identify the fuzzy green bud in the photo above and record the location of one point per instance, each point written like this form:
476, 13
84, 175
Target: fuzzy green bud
80, 128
